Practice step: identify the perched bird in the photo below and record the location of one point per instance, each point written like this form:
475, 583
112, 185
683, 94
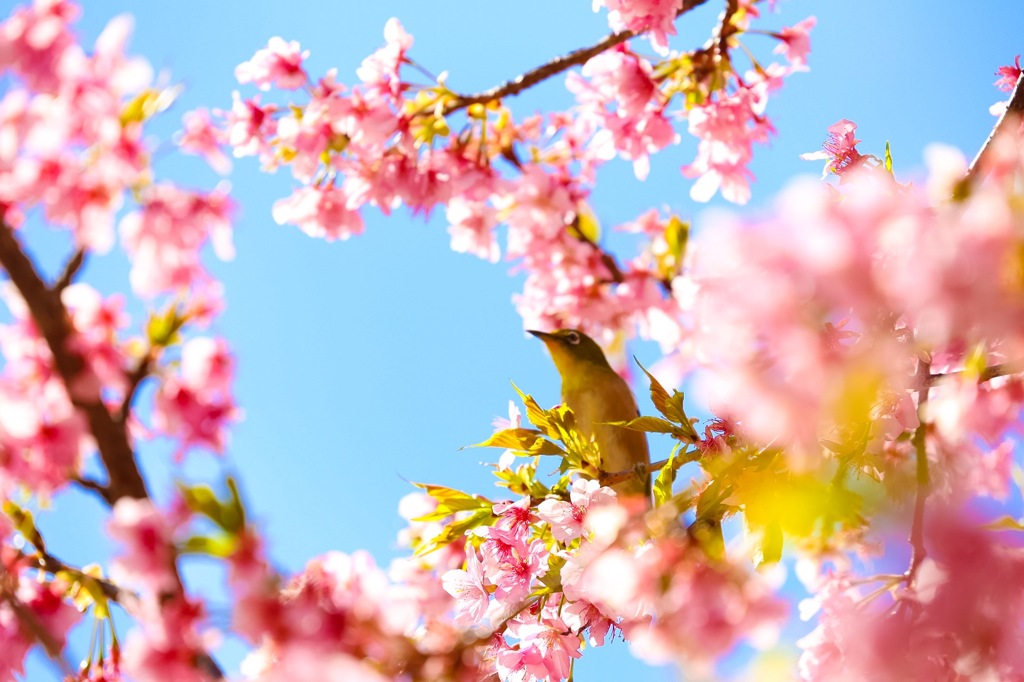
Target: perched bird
597, 394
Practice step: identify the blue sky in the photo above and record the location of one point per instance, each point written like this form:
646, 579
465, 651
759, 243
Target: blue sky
367, 364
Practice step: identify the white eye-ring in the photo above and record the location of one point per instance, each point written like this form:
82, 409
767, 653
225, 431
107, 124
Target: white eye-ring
573, 338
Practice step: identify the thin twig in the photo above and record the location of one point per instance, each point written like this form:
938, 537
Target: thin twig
96, 487
1012, 116
50, 564
53, 322
918, 551
553, 67
989, 373
140, 372
30, 622
71, 268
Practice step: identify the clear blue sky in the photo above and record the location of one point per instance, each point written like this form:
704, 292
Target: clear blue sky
366, 364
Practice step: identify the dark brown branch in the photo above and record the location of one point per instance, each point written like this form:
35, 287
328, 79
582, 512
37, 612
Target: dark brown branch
71, 268
97, 487
53, 323
1011, 117
553, 67
918, 551
140, 372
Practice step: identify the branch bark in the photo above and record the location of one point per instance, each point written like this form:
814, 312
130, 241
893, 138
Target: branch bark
1012, 116
918, 550
54, 324
554, 67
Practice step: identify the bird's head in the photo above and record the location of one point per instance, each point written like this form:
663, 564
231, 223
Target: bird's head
574, 352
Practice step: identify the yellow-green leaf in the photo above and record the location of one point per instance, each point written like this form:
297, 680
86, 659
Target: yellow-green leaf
771, 544
450, 500
529, 441
538, 417
455, 530
663, 483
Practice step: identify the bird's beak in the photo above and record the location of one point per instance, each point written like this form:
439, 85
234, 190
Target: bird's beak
543, 336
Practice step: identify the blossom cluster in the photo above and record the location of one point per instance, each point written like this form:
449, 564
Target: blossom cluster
386, 141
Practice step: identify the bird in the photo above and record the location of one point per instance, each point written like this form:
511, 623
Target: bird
596, 394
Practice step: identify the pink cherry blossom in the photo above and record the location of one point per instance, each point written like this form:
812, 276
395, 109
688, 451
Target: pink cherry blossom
727, 129
279, 64
202, 137
380, 70
320, 212
45, 602
147, 536
196, 407
469, 587
544, 652
796, 43
840, 149
1008, 75
472, 228
656, 17
164, 237
567, 518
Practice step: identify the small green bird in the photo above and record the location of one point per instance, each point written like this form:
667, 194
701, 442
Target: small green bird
597, 395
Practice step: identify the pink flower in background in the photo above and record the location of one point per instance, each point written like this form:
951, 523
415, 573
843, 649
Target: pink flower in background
472, 227
796, 43
164, 236
380, 70
727, 129
202, 137
248, 126
320, 212
279, 64
656, 17
196, 407
148, 555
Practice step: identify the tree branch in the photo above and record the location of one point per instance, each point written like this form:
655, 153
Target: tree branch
553, 67
1012, 116
999, 370
71, 268
53, 322
918, 551
140, 372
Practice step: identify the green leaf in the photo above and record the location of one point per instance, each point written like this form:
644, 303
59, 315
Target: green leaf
24, 523
216, 546
552, 580
653, 425
540, 418
455, 530
663, 483
677, 234
888, 157
528, 441
450, 500
229, 514
162, 327
771, 544
670, 406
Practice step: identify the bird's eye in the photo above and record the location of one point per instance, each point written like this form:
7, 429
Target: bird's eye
573, 338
